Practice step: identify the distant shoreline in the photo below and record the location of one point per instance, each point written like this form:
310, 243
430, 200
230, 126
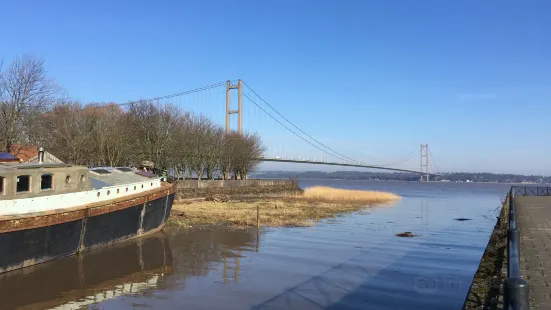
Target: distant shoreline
452, 177
404, 181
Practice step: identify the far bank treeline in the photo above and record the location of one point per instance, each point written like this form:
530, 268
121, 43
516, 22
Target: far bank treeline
33, 111
399, 176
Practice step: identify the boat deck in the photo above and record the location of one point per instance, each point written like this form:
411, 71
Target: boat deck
105, 177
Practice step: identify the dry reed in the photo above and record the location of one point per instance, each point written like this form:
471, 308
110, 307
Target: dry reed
325, 193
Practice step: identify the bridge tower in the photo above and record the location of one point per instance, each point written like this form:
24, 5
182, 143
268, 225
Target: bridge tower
239, 110
424, 169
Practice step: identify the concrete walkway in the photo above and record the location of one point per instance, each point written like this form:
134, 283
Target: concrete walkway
534, 222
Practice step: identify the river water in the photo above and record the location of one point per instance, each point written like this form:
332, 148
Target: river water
352, 262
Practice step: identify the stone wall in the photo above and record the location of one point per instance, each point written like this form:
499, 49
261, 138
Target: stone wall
236, 188
232, 183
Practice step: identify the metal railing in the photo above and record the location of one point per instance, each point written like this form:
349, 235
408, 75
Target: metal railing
530, 191
515, 289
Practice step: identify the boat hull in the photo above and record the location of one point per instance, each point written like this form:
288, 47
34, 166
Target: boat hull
37, 238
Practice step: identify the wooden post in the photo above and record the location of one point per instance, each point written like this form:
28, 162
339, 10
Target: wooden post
257, 217
257, 239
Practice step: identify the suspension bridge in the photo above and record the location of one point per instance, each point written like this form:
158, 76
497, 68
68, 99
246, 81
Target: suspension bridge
285, 141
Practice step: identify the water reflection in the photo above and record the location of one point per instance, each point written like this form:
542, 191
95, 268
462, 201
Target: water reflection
73, 282
196, 253
136, 267
424, 214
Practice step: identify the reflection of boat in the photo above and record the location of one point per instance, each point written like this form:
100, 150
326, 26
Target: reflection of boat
76, 281
48, 211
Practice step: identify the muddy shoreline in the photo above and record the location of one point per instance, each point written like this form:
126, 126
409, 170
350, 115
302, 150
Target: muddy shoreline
486, 291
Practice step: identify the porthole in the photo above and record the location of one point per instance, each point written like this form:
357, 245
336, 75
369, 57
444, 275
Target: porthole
98, 194
134, 187
151, 184
82, 178
118, 190
108, 193
68, 179
142, 185
127, 189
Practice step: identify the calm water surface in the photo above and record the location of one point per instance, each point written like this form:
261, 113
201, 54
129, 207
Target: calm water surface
352, 262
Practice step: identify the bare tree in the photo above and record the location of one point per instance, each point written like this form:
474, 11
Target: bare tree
168, 123
25, 93
138, 118
72, 133
201, 130
214, 144
181, 143
179, 148
247, 151
111, 136
228, 153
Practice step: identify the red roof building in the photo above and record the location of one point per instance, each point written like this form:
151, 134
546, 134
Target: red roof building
24, 152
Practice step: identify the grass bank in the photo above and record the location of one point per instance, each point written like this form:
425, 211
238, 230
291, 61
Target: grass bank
486, 290
303, 209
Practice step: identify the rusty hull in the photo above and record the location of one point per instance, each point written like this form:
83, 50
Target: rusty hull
34, 220
35, 238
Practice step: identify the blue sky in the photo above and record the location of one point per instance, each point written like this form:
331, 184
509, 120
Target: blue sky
373, 79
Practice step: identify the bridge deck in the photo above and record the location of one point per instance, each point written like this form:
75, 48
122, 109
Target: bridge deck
283, 160
534, 221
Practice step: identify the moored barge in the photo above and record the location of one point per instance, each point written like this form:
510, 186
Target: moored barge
48, 211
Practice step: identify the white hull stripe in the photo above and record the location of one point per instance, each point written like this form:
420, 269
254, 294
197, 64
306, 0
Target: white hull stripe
70, 200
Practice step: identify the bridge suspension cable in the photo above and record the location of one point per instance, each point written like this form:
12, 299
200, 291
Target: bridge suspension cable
327, 150
433, 161
401, 161
293, 132
196, 90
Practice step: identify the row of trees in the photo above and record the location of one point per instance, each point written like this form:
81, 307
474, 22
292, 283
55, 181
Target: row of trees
34, 112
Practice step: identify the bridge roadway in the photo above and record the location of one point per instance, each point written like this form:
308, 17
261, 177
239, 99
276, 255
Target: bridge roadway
282, 160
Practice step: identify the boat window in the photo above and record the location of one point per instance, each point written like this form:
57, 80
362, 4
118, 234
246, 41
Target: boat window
46, 182
1, 185
68, 179
23, 183
82, 178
